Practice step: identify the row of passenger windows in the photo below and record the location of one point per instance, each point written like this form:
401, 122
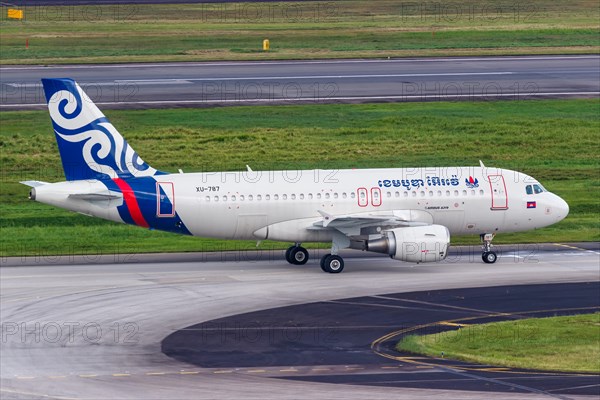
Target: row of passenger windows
344, 195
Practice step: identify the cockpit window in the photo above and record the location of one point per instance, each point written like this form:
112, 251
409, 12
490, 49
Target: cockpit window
535, 189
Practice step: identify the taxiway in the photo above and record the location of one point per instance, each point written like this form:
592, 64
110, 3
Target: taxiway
97, 330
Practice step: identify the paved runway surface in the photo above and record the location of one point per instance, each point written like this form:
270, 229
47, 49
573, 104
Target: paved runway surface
312, 82
96, 330
337, 338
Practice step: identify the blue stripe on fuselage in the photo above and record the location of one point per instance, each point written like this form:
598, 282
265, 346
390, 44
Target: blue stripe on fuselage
144, 189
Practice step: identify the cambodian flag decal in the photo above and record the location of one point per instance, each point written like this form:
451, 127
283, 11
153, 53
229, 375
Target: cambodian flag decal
531, 204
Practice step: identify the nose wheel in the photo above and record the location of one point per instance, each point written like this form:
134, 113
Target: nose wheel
488, 256
296, 255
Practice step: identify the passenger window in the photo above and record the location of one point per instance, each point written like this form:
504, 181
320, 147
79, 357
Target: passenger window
233, 198
267, 197
275, 197
529, 189
318, 195
301, 196
224, 198
310, 196
335, 195
405, 194
293, 197
249, 197
207, 198
352, 195
327, 195
344, 195
216, 198
284, 197
447, 193
388, 194
258, 197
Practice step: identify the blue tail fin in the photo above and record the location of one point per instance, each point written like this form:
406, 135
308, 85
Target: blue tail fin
90, 146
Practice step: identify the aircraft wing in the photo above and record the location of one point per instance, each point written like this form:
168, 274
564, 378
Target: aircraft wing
351, 224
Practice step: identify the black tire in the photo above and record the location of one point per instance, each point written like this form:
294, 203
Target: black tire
323, 259
333, 264
489, 257
287, 254
298, 255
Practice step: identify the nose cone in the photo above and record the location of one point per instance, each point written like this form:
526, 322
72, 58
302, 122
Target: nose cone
561, 207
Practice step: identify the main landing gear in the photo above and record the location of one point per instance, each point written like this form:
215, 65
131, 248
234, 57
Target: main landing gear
296, 255
488, 256
332, 263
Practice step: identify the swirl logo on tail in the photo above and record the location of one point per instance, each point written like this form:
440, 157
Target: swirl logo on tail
90, 146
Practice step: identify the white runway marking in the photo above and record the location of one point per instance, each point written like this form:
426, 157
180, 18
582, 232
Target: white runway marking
275, 62
240, 78
328, 99
175, 81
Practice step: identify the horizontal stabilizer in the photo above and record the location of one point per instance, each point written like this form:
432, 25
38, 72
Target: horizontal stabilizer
102, 199
96, 196
33, 183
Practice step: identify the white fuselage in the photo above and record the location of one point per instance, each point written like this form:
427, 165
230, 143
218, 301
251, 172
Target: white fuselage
284, 205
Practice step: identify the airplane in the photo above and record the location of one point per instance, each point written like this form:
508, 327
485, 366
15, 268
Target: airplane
406, 213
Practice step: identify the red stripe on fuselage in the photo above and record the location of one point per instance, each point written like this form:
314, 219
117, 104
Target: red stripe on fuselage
131, 203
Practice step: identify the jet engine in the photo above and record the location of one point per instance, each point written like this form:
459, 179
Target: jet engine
413, 244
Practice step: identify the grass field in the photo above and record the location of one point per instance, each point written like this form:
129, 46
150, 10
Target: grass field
327, 29
557, 344
557, 141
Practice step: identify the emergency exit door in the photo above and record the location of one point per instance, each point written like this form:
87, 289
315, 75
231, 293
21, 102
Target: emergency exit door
165, 199
499, 194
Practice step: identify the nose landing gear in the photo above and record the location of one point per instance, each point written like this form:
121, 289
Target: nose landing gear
488, 256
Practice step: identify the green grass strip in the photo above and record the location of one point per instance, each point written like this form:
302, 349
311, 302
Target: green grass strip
305, 30
570, 344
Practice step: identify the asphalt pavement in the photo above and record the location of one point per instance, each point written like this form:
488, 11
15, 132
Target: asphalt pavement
96, 327
348, 341
311, 82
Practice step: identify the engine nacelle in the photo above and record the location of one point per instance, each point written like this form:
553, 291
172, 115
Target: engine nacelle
413, 244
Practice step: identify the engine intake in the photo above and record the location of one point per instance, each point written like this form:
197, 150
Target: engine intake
413, 244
